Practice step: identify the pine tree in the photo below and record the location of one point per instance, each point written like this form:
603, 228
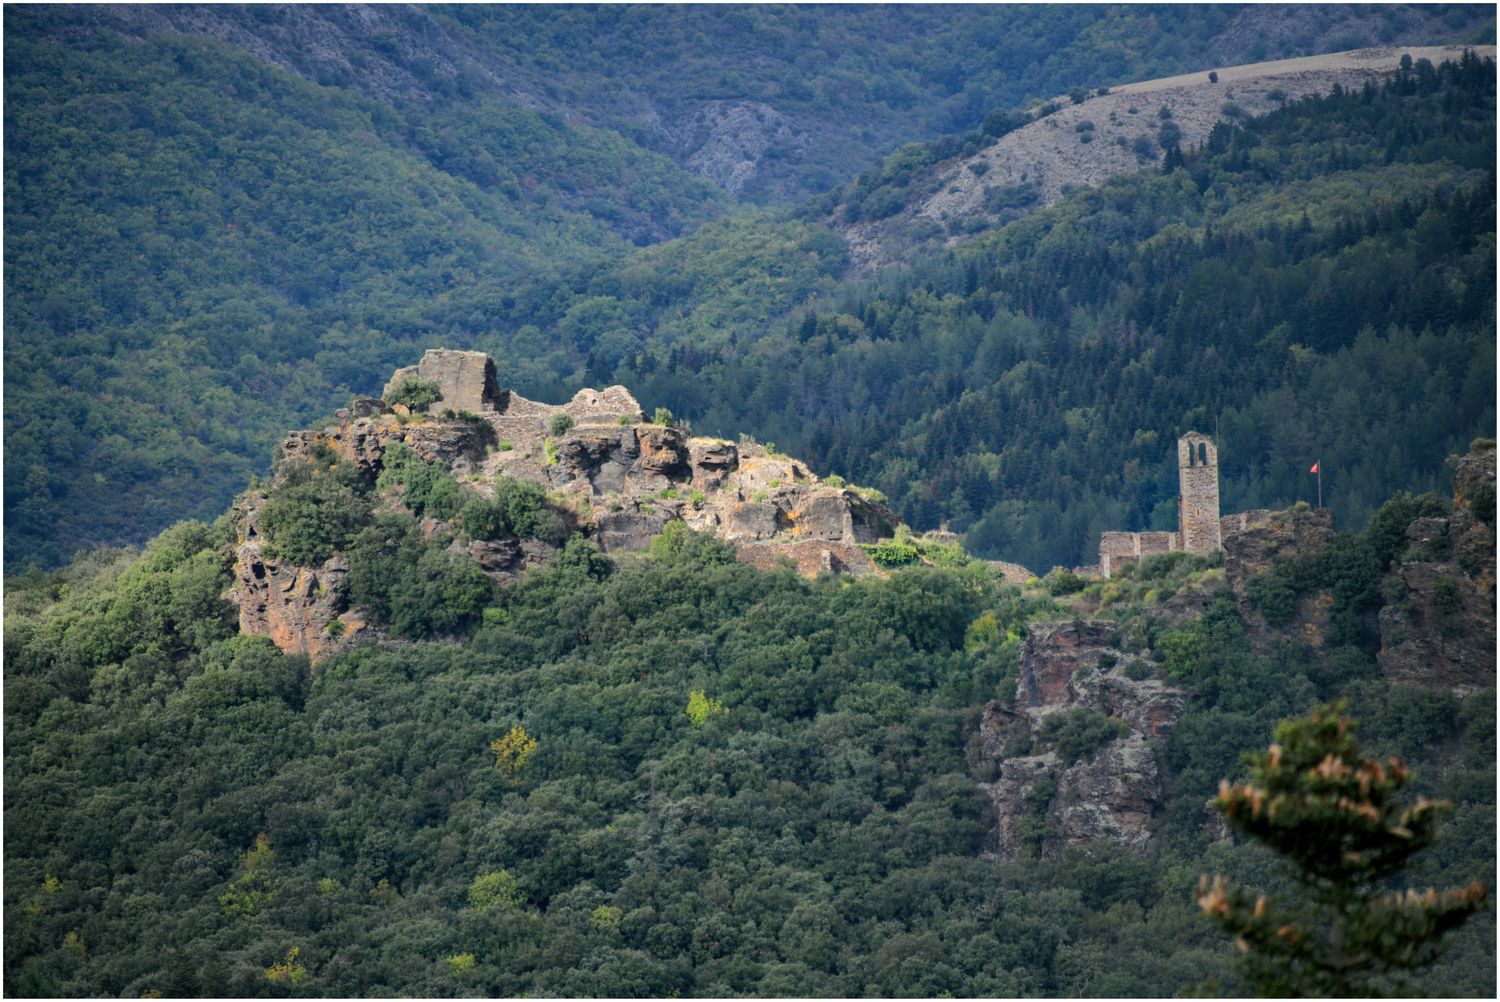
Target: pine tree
1334, 816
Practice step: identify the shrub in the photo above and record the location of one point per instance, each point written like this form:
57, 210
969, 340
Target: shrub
426, 488
679, 545
526, 508
663, 417
416, 586
1213, 76
416, 394
1064, 582
1076, 733
306, 522
1482, 503
893, 553
561, 423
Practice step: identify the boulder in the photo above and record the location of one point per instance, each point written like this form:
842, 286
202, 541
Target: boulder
631, 528
712, 462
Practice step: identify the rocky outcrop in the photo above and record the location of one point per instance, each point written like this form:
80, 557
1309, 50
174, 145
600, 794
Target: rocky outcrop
296, 607
1107, 135
613, 476
458, 444
725, 141
1254, 542
1108, 795
1440, 632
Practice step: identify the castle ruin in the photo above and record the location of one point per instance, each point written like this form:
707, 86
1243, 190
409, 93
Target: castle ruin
1199, 527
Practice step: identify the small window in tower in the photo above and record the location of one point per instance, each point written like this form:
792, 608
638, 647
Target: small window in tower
1202, 453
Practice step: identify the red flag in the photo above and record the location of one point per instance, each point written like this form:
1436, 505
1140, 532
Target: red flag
1315, 467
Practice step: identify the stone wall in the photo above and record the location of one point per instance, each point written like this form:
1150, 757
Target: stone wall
466, 380
1120, 549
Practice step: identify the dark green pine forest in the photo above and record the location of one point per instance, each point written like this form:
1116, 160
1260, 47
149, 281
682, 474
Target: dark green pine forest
668, 773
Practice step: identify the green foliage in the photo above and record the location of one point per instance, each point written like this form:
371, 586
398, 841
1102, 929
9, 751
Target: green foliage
255, 888
427, 489
1314, 800
1482, 503
663, 417
512, 750
1080, 732
1063, 582
561, 424
459, 964
496, 889
893, 553
288, 971
416, 394
700, 708
678, 545
306, 520
418, 587
605, 917
518, 508
838, 813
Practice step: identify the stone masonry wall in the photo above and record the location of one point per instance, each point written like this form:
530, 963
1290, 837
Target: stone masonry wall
1198, 494
466, 380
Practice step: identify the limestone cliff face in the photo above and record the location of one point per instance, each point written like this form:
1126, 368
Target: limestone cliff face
1440, 632
1109, 795
618, 479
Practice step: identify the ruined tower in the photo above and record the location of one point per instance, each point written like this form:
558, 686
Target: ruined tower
1198, 494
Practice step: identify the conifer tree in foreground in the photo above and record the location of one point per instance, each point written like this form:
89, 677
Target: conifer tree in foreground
1334, 815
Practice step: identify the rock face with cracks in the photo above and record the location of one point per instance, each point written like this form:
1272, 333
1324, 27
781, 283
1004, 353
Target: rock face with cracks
1107, 795
1440, 631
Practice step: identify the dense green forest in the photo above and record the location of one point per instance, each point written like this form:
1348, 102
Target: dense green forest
668, 773
1314, 284
806, 94
204, 251
664, 773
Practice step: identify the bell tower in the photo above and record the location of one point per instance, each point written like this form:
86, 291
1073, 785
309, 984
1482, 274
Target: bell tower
1198, 494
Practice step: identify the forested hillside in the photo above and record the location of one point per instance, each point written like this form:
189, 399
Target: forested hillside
204, 249
770, 102
1317, 283
550, 740
663, 774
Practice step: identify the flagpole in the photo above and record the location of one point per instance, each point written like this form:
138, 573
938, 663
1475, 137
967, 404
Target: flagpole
1320, 483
